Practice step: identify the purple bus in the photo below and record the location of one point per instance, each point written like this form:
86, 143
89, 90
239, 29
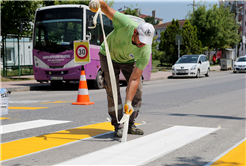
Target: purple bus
55, 29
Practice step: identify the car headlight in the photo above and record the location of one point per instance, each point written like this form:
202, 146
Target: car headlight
173, 68
193, 67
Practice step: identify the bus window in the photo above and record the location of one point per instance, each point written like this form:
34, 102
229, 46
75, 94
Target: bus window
96, 34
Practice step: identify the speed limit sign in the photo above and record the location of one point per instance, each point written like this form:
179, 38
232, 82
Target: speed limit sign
81, 52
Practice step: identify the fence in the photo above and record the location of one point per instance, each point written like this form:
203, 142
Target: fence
16, 53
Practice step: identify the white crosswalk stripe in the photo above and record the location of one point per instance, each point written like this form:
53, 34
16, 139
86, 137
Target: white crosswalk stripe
28, 125
27, 101
145, 149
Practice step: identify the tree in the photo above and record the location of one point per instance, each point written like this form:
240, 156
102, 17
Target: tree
84, 2
151, 20
13, 12
216, 27
191, 44
153, 47
167, 43
133, 12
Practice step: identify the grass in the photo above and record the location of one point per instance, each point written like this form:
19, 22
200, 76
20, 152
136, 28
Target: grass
157, 66
16, 73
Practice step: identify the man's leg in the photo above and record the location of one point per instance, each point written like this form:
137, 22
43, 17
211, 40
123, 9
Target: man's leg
107, 86
137, 100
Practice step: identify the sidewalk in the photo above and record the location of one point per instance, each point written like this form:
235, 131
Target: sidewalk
15, 86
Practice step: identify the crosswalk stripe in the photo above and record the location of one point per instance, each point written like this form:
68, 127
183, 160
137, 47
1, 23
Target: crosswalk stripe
26, 108
234, 156
31, 145
27, 101
143, 150
28, 125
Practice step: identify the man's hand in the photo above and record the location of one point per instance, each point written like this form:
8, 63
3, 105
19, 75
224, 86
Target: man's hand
128, 108
94, 5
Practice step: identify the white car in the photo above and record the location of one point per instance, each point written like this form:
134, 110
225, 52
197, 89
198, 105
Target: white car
191, 66
240, 65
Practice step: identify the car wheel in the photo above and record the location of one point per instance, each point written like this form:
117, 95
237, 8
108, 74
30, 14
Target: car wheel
98, 83
198, 74
234, 71
208, 73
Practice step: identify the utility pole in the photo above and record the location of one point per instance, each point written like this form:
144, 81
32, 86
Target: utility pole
193, 6
237, 29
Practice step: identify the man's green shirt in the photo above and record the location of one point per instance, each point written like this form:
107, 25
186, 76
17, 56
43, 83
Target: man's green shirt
120, 43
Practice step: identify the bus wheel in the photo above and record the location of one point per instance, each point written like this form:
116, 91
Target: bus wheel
98, 83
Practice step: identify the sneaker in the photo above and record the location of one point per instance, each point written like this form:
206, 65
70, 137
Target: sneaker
118, 132
135, 130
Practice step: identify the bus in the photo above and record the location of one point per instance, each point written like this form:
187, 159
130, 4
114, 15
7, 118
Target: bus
55, 29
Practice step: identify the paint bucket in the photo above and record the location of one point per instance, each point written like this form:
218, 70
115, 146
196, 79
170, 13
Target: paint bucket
4, 104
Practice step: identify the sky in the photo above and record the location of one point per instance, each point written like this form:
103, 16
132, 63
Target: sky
165, 9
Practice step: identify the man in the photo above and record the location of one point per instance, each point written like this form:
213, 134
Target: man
214, 59
129, 46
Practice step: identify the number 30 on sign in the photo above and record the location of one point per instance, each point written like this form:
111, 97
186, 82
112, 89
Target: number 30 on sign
82, 52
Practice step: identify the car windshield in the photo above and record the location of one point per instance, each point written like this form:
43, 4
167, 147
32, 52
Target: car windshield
188, 59
242, 59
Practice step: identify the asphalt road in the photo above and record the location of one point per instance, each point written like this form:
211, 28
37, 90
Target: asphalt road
215, 102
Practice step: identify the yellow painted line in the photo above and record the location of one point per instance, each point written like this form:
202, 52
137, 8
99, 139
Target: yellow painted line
2, 118
26, 146
236, 156
57, 102
27, 108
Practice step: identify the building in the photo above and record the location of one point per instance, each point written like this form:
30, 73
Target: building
239, 8
162, 27
153, 15
11, 51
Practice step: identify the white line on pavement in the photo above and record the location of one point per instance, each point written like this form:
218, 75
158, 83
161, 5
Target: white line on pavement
145, 149
28, 125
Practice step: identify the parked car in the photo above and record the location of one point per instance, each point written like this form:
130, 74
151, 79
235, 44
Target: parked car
191, 66
240, 65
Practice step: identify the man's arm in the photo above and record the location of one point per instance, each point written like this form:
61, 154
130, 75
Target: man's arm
133, 83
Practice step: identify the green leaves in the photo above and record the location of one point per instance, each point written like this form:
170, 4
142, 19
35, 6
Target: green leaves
167, 43
14, 13
151, 20
84, 2
191, 44
216, 26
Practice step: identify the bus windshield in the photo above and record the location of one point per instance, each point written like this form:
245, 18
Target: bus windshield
56, 29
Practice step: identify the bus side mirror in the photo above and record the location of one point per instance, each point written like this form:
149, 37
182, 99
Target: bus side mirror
89, 22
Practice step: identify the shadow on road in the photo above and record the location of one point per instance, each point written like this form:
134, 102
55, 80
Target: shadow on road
211, 116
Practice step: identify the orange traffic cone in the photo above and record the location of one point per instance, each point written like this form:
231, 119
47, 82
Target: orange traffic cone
83, 95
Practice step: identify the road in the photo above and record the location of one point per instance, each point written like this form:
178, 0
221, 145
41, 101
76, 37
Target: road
187, 121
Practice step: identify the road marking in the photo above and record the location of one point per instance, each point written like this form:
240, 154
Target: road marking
145, 149
28, 125
31, 145
26, 108
2, 118
27, 101
233, 156
57, 102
